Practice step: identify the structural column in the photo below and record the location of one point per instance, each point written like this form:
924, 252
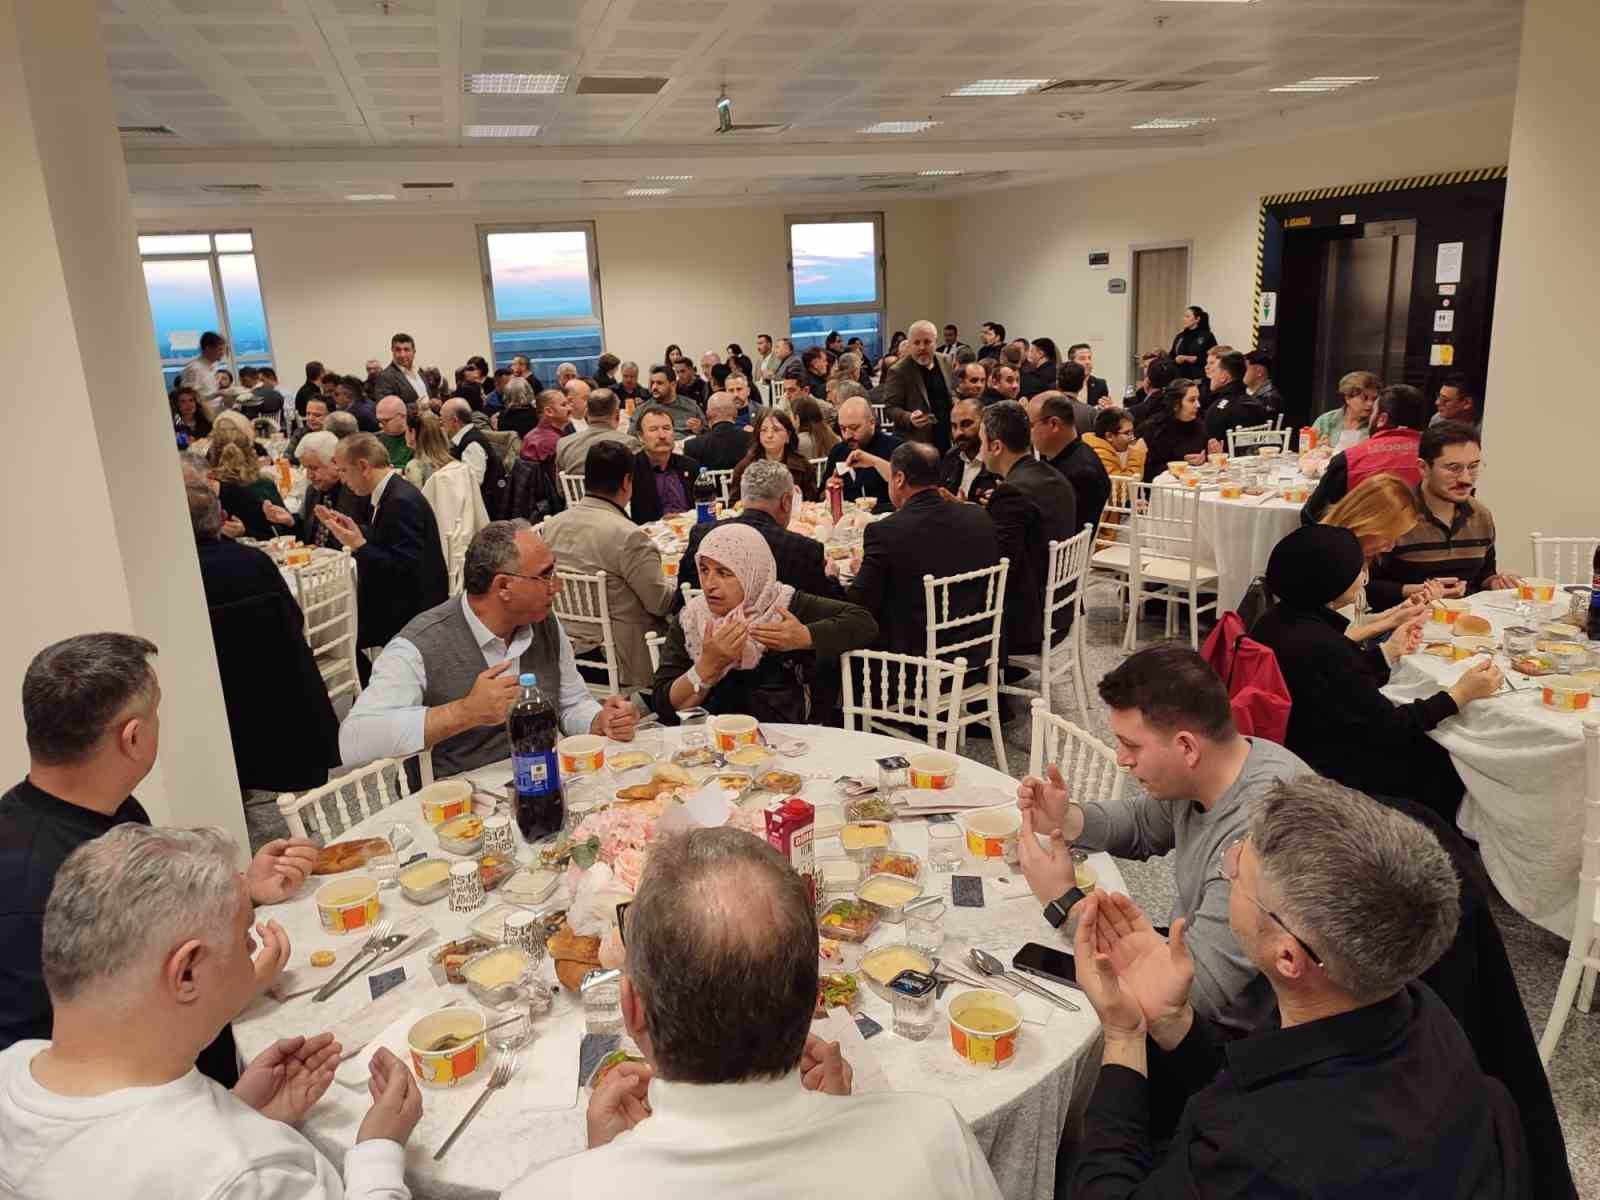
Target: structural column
1542, 427
96, 531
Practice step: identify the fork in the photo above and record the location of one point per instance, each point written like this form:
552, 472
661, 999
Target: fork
505, 1066
379, 932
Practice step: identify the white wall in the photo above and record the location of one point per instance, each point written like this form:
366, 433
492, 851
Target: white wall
337, 287
1047, 232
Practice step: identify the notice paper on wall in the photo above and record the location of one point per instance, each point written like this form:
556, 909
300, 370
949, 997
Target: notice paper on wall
1444, 320
1267, 312
1448, 267
1442, 355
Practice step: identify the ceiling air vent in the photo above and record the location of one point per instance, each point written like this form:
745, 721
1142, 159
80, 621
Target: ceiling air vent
231, 188
620, 85
425, 187
143, 131
1168, 85
1083, 87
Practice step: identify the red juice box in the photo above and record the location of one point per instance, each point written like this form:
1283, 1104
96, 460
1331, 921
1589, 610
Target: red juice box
790, 824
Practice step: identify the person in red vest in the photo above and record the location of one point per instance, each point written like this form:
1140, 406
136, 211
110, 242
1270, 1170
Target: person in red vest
1398, 420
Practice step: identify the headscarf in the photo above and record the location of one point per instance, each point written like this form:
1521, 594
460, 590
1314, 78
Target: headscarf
1314, 564
744, 552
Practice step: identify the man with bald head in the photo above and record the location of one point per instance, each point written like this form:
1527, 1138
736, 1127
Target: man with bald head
603, 416
577, 394
864, 453
724, 445
392, 431
468, 444
917, 390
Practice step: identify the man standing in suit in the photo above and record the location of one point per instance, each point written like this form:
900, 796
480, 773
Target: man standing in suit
399, 564
1033, 507
724, 445
926, 535
1094, 388
918, 389
400, 377
961, 472
952, 343
1055, 437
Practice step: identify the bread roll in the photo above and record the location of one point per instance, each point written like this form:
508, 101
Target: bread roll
1472, 625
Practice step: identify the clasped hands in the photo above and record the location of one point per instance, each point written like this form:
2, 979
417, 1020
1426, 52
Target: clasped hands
723, 646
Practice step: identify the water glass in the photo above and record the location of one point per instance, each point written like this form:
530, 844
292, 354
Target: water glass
924, 925
385, 868
944, 846
692, 726
915, 1005
602, 1001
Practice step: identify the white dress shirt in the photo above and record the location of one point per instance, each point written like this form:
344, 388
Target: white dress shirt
190, 1137
477, 461
201, 375
970, 470
388, 718
377, 494
773, 1140
414, 378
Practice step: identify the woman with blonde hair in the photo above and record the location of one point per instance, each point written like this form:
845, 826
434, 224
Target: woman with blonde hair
242, 489
1380, 511
430, 449
1346, 425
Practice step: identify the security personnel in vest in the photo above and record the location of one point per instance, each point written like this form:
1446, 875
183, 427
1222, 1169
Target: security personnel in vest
1398, 420
447, 681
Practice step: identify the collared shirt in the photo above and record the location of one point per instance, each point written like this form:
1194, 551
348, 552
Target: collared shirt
1463, 549
377, 492
202, 377
744, 1139
414, 378
971, 468
475, 458
388, 718
540, 444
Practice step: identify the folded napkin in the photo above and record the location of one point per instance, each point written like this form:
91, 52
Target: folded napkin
782, 743
293, 981
922, 802
866, 1072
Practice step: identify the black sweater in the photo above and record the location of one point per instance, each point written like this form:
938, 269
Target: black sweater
1169, 440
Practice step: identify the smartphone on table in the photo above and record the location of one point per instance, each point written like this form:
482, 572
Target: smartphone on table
1046, 963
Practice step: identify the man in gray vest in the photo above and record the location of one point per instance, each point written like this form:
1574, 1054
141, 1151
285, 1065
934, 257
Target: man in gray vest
448, 679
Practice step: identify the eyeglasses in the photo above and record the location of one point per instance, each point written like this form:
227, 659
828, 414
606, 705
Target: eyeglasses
1461, 468
1230, 872
546, 576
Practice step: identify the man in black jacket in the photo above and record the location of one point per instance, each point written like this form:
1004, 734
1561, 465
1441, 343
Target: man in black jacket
961, 471
868, 469
399, 559
1158, 372
724, 445
1055, 437
926, 535
767, 491
1367, 1088
1231, 406
1033, 507
349, 395
663, 481
689, 385
1094, 388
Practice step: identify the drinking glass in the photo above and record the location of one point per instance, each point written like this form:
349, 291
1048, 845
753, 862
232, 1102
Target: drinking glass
385, 868
944, 846
692, 725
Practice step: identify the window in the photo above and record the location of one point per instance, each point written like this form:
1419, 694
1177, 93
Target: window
199, 282
836, 279
542, 286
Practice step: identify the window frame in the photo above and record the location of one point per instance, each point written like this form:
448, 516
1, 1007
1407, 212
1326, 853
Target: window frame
218, 294
532, 324
880, 304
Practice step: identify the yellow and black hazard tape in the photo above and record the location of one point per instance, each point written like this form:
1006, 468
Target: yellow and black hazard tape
1438, 179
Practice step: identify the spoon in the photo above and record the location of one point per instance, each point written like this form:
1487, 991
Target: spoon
451, 1040
992, 966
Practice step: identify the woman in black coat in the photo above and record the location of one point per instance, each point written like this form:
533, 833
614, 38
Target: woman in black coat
1176, 430
1193, 340
1341, 723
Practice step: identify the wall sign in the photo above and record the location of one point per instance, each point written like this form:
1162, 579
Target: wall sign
1347, 218
1441, 355
1447, 289
1297, 222
1267, 311
1448, 268
1444, 320
1099, 260
184, 339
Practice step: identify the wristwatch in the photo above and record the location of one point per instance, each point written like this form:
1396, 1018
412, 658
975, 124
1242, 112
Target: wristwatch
1056, 911
693, 676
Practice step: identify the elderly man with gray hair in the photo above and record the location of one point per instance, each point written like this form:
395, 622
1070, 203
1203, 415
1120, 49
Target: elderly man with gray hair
1367, 1087
147, 948
768, 493
468, 445
917, 390
736, 1095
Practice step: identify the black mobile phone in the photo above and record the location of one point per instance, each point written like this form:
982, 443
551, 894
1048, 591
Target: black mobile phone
1055, 965
867, 1026
966, 891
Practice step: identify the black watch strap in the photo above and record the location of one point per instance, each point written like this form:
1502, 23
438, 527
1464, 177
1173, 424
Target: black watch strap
1056, 911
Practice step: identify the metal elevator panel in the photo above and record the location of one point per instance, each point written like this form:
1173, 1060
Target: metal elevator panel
1365, 306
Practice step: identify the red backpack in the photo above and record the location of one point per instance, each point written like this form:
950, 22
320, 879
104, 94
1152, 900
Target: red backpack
1256, 690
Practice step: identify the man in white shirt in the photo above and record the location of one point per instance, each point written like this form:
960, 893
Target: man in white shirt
455, 418
147, 956
736, 1096
448, 679
200, 373
401, 377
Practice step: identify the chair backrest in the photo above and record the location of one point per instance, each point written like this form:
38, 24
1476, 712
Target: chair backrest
1069, 563
1253, 437
1589, 867
326, 591
584, 610
1567, 560
1087, 764
723, 480
653, 643
897, 690
1165, 522
324, 813
881, 413
820, 467
572, 487
969, 627
1118, 508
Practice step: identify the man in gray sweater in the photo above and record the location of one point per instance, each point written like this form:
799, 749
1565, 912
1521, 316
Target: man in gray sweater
1175, 735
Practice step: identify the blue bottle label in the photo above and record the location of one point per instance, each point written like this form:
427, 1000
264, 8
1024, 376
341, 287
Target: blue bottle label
537, 774
705, 514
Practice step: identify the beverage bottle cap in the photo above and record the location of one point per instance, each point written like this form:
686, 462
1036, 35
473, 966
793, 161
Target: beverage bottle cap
529, 679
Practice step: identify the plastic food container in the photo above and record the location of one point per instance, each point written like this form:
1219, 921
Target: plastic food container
828, 820
461, 835
630, 759
1468, 647
1217, 460
504, 966
1520, 639
1177, 468
445, 799
1445, 612
838, 875
1230, 489
934, 769
425, 881
881, 965
446, 1068
1568, 657
581, 753
732, 731
869, 808
348, 904
992, 833
895, 862
748, 756
1537, 591
848, 920
1564, 693
985, 1026
1295, 493
862, 839
889, 894
1268, 451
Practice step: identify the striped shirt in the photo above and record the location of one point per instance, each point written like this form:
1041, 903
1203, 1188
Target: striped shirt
1464, 549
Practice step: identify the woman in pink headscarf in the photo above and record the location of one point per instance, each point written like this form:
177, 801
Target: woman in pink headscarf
751, 644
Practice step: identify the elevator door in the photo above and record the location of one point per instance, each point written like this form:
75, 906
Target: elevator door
1366, 302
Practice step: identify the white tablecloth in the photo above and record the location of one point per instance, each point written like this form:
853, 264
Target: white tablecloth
1018, 1113
1238, 535
1523, 766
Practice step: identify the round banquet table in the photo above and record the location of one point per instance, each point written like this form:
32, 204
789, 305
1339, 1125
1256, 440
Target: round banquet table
1017, 1113
1523, 765
1236, 536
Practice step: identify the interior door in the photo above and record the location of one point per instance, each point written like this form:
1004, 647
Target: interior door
1160, 293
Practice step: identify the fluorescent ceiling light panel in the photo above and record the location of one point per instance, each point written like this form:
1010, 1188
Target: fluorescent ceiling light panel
1325, 83
1205, 1
371, 196
670, 178
941, 171
1174, 122
998, 87
648, 191
899, 126
488, 131
509, 83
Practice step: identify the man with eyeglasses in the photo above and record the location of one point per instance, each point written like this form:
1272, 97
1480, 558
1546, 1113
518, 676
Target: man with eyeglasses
447, 681
1453, 540
1175, 735
1364, 1085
